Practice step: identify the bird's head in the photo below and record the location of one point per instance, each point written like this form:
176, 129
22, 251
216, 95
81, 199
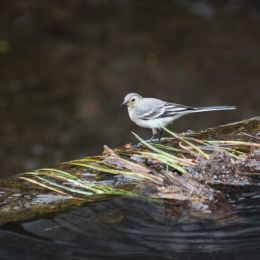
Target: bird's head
131, 100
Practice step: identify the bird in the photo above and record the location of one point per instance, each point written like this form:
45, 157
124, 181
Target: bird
157, 114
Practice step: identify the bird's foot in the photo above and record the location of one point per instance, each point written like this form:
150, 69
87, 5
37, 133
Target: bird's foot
152, 139
136, 146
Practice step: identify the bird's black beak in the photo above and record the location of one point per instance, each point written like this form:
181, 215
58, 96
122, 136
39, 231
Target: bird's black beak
124, 103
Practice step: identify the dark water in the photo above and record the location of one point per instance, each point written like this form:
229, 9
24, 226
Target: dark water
130, 229
65, 69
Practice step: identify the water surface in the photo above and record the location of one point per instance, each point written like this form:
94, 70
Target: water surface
134, 229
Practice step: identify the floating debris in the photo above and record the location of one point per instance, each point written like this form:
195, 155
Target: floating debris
191, 173
181, 168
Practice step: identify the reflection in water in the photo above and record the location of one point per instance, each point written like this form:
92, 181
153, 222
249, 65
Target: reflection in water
129, 229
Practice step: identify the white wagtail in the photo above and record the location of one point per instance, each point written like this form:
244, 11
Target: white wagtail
154, 113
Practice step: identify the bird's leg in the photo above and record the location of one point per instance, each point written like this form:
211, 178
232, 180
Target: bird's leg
154, 134
160, 135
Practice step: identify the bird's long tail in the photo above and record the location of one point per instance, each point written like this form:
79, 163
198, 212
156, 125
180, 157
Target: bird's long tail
215, 108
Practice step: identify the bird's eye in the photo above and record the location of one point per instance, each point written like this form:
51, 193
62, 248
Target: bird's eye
133, 99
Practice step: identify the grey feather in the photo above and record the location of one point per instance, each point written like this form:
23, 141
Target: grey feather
152, 108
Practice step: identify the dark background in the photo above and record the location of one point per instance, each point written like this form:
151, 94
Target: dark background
66, 66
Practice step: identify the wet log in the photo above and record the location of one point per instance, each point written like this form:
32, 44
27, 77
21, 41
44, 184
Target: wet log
21, 200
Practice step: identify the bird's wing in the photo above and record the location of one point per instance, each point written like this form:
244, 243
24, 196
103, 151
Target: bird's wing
172, 109
154, 109
150, 108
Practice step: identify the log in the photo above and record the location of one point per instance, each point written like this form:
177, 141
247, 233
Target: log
21, 200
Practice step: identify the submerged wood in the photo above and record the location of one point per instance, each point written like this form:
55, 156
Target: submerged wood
21, 200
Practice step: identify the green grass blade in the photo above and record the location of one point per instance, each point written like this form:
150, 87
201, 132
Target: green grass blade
151, 147
167, 162
225, 142
134, 175
187, 142
61, 173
